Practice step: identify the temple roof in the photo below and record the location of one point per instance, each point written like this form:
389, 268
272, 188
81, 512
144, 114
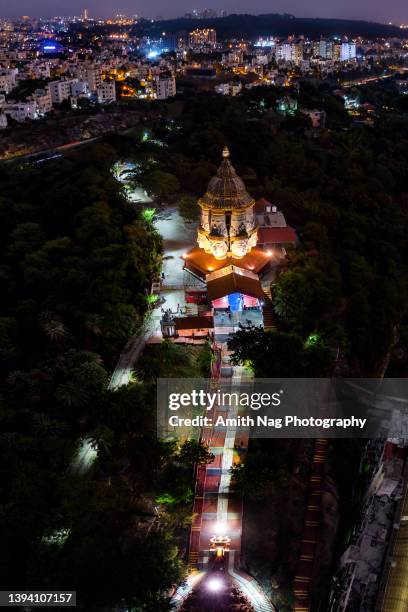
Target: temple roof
233, 281
226, 190
201, 263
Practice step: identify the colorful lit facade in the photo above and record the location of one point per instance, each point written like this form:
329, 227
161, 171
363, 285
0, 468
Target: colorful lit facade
228, 225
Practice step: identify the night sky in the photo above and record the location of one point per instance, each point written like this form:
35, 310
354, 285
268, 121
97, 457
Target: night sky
374, 10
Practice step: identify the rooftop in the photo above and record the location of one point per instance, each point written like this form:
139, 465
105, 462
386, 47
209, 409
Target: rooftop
226, 190
201, 263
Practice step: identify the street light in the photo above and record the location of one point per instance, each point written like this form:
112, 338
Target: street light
215, 585
220, 528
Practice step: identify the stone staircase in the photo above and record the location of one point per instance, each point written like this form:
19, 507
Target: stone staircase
267, 309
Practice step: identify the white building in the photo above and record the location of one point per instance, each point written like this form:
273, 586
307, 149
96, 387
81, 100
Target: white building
165, 87
106, 92
40, 70
20, 111
80, 89
347, 51
61, 90
229, 89
93, 75
43, 99
289, 52
8, 79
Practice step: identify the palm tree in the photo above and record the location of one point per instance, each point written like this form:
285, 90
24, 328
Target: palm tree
53, 326
43, 425
71, 394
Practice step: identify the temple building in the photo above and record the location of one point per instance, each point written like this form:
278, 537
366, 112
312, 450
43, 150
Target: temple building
229, 258
239, 244
227, 234
228, 226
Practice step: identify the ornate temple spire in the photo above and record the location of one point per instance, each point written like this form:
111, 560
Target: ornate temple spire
228, 224
226, 190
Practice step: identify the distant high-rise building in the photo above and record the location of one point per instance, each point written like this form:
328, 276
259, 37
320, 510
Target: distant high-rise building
202, 37
170, 41
348, 51
324, 49
290, 52
86, 15
208, 14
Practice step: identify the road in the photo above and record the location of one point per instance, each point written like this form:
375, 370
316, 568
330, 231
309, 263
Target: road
59, 149
372, 79
177, 237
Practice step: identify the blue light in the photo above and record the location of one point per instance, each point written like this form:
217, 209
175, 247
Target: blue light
50, 47
152, 54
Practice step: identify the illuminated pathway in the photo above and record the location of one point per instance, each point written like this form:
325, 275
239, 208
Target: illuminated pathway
217, 509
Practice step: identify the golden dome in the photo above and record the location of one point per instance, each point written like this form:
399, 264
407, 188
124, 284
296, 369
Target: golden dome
226, 190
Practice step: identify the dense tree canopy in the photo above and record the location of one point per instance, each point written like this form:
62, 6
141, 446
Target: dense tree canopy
84, 478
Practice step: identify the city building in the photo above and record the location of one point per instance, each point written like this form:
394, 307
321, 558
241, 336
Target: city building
93, 76
106, 92
289, 52
233, 88
8, 80
20, 111
43, 100
61, 90
40, 70
80, 89
347, 51
206, 37
323, 48
3, 121
165, 87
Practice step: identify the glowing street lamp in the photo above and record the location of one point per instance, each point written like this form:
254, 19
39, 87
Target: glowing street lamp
220, 528
215, 585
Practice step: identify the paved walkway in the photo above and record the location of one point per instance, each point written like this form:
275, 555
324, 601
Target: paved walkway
178, 236
217, 508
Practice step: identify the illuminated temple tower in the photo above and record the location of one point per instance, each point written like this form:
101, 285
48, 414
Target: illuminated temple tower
227, 235
228, 226
240, 242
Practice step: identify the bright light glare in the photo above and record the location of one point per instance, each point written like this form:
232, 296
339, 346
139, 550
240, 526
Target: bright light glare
214, 585
220, 528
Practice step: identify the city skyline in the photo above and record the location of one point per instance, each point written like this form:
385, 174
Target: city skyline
373, 10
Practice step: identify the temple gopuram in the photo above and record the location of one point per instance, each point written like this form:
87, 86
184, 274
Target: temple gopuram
239, 244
